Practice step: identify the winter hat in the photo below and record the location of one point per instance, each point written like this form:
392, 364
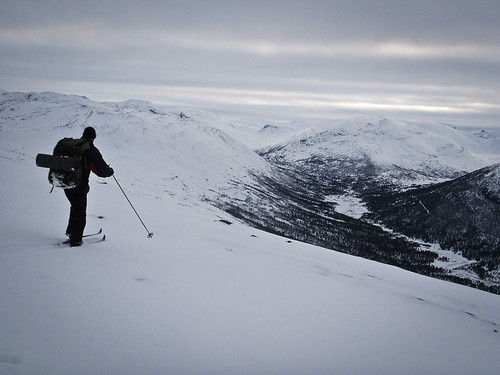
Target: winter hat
89, 133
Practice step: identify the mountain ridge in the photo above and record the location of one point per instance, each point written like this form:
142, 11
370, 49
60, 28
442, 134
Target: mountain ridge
285, 188
461, 215
431, 152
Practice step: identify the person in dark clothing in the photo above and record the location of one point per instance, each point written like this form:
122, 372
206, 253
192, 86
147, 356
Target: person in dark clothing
77, 196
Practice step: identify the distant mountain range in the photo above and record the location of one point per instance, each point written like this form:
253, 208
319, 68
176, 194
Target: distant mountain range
422, 192
421, 196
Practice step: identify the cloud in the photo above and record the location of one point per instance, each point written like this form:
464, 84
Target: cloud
309, 57
97, 35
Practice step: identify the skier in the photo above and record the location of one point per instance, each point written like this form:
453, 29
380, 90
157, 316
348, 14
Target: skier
77, 196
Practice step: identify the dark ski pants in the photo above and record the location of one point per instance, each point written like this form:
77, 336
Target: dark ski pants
77, 215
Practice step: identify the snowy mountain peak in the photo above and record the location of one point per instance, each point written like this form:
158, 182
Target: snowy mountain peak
429, 151
189, 154
137, 105
269, 129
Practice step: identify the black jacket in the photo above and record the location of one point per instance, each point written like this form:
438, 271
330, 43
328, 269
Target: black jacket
93, 162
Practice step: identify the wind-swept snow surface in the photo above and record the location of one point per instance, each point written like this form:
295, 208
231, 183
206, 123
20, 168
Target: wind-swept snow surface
202, 296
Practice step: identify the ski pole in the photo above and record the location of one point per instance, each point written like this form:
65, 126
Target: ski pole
150, 234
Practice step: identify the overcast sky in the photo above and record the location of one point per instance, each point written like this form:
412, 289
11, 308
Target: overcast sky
276, 59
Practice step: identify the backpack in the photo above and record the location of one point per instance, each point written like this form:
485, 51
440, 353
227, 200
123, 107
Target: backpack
67, 163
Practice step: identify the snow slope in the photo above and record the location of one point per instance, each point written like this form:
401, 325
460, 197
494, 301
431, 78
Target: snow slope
201, 296
430, 151
163, 152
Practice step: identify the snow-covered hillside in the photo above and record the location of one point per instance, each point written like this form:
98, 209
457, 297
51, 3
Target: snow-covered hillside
164, 152
201, 296
410, 152
355, 167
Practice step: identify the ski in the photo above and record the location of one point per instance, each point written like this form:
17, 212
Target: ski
92, 234
65, 242
96, 240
